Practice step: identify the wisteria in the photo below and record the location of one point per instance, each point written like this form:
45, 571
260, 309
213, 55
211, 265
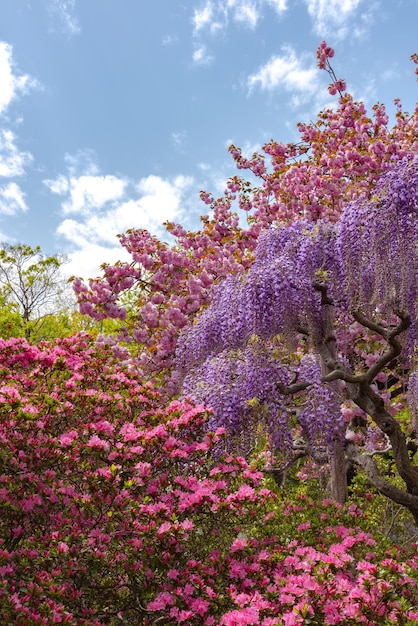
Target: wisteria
275, 295
309, 283
377, 241
320, 414
241, 387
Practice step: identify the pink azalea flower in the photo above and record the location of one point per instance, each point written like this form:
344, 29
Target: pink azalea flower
241, 617
96, 442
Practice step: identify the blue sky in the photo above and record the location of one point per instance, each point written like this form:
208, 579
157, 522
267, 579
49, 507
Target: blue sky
115, 113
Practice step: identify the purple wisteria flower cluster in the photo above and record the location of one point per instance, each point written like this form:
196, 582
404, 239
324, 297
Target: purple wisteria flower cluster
272, 332
377, 248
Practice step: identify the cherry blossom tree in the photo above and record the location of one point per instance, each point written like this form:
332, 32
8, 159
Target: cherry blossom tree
339, 158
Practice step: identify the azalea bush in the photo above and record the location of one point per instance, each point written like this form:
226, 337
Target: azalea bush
103, 494
114, 512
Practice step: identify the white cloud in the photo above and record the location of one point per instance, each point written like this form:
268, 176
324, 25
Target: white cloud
59, 185
85, 261
334, 16
169, 40
338, 18
63, 11
11, 83
84, 161
160, 199
247, 149
12, 162
246, 11
201, 56
203, 17
178, 138
12, 199
153, 201
390, 73
214, 179
287, 72
87, 192
279, 5
248, 14
214, 16
103, 206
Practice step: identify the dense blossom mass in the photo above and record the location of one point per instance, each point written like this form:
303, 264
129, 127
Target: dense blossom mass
99, 487
114, 511
367, 261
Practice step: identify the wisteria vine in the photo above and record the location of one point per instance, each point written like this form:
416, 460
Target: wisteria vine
309, 284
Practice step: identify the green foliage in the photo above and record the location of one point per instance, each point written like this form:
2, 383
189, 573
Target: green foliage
36, 300
33, 283
11, 322
382, 516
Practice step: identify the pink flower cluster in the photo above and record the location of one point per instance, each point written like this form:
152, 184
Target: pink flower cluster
114, 511
323, 53
102, 493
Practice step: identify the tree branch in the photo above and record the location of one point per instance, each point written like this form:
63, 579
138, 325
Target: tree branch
408, 500
390, 337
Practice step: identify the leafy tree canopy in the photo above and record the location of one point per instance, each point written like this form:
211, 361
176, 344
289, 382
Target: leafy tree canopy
33, 283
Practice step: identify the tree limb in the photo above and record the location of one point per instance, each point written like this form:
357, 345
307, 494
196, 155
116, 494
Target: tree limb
408, 500
390, 337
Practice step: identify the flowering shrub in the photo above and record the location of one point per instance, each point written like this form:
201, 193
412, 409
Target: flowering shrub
102, 494
114, 513
303, 563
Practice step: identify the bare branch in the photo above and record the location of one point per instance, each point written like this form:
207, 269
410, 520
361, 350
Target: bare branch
339, 374
389, 337
323, 289
288, 390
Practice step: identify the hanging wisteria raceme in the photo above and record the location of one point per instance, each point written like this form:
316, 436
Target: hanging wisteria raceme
377, 242
413, 399
278, 295
320, 415
241, 388
275, 296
